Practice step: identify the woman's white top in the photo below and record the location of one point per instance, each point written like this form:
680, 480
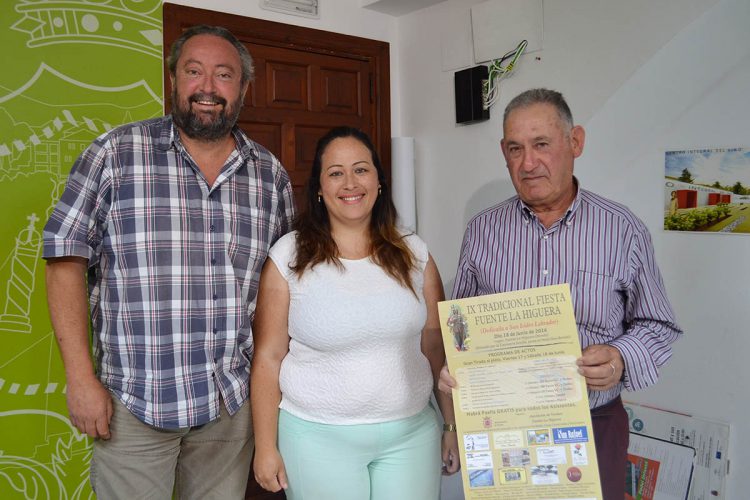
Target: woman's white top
354, 350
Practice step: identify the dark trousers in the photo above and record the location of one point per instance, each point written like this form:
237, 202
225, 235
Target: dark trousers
611, 436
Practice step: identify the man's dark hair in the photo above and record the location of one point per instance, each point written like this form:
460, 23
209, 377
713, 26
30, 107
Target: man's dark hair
202, 29
541, 96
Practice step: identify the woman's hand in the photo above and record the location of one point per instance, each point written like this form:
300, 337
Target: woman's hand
269, 470
451, 463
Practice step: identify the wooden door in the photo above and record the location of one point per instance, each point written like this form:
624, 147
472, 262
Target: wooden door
298, 96
306, 82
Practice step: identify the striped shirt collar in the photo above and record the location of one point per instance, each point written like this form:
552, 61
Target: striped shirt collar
528, 214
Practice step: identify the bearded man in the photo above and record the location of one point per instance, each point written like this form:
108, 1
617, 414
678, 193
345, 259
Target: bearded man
164, 227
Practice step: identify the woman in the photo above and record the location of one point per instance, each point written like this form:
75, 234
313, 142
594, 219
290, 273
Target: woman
673, 203
348, 344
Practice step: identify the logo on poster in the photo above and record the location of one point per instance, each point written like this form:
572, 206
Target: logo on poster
574, 474
570, 434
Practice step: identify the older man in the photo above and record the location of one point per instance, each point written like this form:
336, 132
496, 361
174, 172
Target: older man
171, 219
555, 232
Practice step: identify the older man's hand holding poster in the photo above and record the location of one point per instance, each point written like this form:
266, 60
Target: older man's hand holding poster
521, 406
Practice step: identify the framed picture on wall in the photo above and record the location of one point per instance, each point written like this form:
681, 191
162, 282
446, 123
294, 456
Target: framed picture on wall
707, 190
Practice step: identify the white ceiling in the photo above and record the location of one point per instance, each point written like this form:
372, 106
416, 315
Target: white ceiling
398, 7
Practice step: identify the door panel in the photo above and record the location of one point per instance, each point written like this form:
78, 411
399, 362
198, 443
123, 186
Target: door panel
268, 134
286, 85
342, 92
306, 137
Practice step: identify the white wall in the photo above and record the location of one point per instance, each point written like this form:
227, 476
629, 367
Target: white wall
642, 77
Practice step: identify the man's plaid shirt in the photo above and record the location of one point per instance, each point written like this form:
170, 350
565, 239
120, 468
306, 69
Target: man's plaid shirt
173, 264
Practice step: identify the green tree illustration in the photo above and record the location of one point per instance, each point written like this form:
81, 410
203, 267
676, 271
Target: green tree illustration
686, 176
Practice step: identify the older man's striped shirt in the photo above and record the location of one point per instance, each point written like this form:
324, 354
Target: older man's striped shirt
604, 252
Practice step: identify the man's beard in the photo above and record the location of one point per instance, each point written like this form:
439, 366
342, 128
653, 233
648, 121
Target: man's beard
191, 124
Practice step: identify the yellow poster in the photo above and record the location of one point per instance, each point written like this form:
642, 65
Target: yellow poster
522, 411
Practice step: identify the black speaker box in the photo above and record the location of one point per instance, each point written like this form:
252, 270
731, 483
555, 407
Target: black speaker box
469, 95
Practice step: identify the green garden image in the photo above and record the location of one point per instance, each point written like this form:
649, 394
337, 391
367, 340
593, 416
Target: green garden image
72, 70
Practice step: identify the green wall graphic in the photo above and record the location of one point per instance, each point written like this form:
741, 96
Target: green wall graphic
71, 70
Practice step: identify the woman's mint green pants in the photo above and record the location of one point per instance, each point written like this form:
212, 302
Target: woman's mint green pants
396, 460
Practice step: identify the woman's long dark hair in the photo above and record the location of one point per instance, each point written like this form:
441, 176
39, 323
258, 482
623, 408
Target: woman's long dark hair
315, 244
